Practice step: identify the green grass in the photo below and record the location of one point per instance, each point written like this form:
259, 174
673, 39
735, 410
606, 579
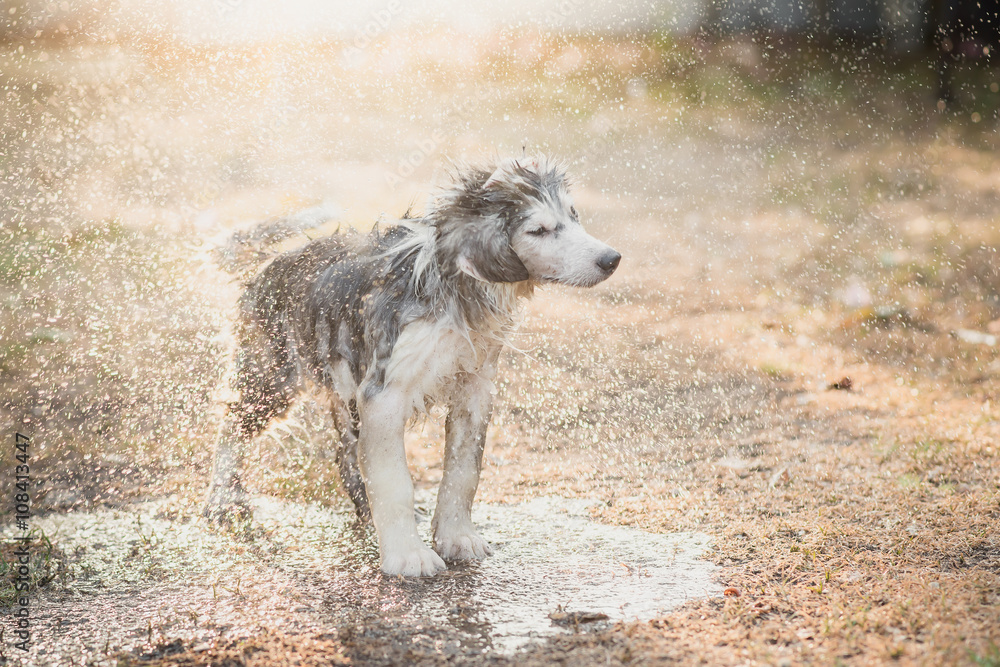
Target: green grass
773, 371
12, 355
45, 563
989, 658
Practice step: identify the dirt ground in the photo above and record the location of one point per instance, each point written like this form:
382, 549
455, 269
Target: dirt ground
795, 356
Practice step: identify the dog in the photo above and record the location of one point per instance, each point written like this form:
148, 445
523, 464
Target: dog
387, 324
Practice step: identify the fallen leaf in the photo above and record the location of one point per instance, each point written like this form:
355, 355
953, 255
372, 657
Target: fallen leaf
576, 617
843, 384
779, 478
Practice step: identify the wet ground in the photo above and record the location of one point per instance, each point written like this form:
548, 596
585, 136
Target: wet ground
141, 577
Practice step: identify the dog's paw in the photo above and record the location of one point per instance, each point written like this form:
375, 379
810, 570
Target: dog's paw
461, 544
227, 508
418, 561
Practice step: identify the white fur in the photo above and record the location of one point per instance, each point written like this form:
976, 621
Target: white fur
455, 537
432, 361
390, 489
565, 253
428, 356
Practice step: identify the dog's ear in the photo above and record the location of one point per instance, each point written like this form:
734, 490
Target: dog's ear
501, 173
487, 256
508, 168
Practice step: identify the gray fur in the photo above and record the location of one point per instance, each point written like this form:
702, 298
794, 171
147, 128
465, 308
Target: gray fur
329, 314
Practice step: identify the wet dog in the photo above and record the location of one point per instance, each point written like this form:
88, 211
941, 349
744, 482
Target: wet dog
388, 324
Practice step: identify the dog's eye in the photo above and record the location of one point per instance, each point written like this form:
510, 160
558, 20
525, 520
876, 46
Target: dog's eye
541, 231
572, 211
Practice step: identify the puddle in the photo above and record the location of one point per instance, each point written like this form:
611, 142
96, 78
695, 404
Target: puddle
141, 578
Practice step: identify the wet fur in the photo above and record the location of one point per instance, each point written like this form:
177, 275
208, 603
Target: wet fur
384, 325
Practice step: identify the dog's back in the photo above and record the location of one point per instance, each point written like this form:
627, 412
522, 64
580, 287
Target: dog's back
338, 299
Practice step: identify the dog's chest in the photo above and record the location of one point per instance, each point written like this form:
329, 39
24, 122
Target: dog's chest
430, 356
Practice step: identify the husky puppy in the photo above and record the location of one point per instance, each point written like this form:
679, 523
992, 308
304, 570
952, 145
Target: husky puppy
388, 324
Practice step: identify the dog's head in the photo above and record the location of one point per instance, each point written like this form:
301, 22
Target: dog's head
517, 222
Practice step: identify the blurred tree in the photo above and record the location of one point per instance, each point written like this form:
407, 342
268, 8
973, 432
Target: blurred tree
963, 31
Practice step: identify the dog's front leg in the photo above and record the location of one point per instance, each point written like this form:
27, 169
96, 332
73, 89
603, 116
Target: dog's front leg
455, 537
389, 486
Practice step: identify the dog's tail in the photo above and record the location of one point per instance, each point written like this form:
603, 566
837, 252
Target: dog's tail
247, 249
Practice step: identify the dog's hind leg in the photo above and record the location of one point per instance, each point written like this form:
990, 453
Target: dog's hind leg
390, 489
455, 537
227, 500
266, 382
345, 417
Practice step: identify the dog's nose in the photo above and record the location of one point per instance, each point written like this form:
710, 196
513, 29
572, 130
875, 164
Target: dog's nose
609, 261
